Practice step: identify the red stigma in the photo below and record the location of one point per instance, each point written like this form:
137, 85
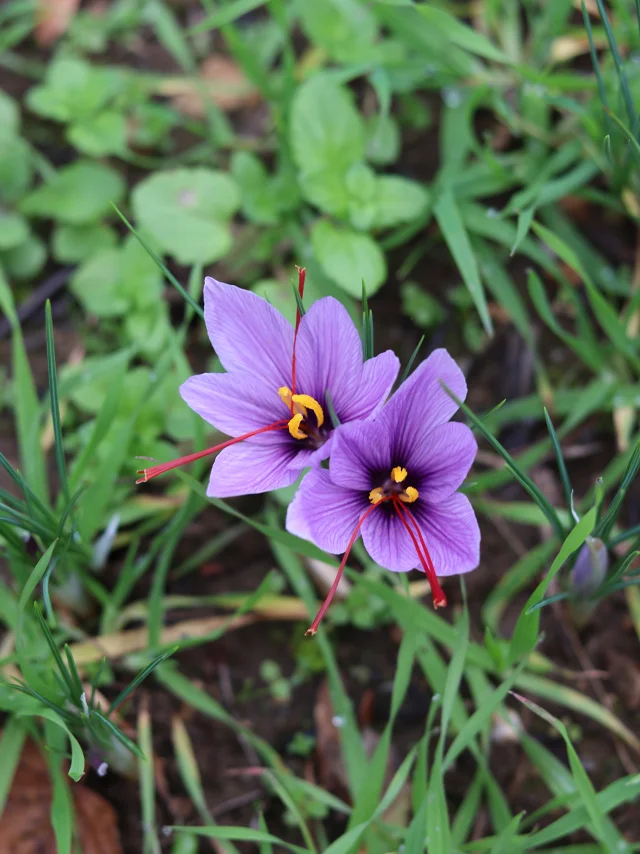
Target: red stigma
437, 594
161, 468
302, 275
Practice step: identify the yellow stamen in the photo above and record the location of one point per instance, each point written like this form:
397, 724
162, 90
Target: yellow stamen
398, 474
285, 396
308, 402
409, 495
294, 427
376, 495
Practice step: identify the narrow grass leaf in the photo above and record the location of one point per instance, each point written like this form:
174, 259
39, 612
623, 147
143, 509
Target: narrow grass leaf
11, 744
581, 779
525, 634
137, 680
146, 777
456, 237
55, 403
36, 576
27, 407
562, 468
168, 274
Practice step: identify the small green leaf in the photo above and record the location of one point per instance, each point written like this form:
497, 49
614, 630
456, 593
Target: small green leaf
345, 29
14, 229
75, 243
100, 135
79, 194
25, 260
73, 89
348, 258
327, 139
187, 212
398, 200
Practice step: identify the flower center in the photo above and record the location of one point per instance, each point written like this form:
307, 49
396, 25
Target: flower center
394, 487
299, 405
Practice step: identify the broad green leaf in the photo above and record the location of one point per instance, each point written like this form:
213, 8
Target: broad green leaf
100, 135
346, 29
349, 258
78, 195
187, 212
16, 168
14, 229
25, 260
72, 244
382, 139
9, 117
73, 89
327, 138
398, 200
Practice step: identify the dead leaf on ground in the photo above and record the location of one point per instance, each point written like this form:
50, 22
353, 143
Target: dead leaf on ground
25, 825
221, 80
54, 17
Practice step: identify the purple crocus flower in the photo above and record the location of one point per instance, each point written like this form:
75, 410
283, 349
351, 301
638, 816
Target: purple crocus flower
393, 479
279, 385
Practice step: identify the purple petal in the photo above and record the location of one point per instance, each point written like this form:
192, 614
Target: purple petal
305, 458
328, 353
325, 513
247, 333
248, 468
234, 403
440, 464
387, 540
451, 533
377, 378
421, 404
360, 449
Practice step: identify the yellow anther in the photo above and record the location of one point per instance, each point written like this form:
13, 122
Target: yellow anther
308, 402
409, 495
285, 396
376, 495
294, 427
398, 474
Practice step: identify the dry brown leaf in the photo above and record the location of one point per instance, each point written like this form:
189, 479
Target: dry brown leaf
54, 17
25, 825
221, 80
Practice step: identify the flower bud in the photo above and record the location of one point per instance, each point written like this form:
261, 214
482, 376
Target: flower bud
590, 568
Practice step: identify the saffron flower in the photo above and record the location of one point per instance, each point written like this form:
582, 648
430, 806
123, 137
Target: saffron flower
282, 388
393, 480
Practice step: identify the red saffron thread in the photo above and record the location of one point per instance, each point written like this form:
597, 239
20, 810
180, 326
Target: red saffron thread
437, 594
302, 275
313, 628
161, 468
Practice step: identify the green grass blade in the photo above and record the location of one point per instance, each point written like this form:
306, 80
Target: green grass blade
55, 403
168, 274
11, 744
456, 237
27, 407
